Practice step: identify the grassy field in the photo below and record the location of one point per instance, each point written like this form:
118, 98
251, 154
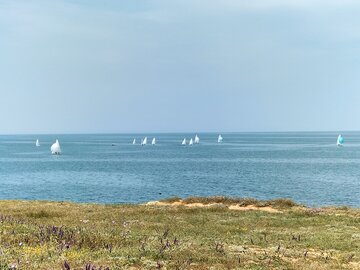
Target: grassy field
197, 233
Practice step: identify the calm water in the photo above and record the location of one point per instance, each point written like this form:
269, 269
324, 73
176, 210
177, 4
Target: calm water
306, 167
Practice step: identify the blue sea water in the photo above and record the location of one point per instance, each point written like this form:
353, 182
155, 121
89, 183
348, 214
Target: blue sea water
306, 167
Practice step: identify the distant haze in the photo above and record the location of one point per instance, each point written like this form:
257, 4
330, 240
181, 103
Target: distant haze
81, 66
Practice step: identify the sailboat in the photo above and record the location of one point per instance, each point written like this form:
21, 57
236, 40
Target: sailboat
191, 142
153, 142
220, 139
134, 141
55, 148
183, 142
37, 143
197, 139
144, 141
340, 140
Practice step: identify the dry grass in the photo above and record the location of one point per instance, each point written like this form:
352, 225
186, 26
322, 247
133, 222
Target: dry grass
46, 235
276, 203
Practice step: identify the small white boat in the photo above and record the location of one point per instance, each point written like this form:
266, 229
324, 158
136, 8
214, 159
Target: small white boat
340, 140
183, 142
220, 139
37, 143
55, 148
191, 142
134, 141
153, 142
197, 139
144, 141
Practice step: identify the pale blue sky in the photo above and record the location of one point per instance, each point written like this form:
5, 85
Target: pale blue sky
180, 65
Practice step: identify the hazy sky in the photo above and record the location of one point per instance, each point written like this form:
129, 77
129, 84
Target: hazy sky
180, 65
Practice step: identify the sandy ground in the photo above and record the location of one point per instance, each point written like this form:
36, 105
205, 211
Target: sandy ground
230, 207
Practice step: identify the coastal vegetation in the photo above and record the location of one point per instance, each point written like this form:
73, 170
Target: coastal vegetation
193, 233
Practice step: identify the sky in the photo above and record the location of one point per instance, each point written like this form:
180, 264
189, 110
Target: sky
82, 66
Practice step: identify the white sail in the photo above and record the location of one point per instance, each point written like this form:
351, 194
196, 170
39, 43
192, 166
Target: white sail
183, 142
134, 141
153, 142
191, 142
144, 141
37, 143
55, 148
220, 139
340, 140
197, 139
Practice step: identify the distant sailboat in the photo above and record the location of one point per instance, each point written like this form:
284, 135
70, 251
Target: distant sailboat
191, 142
183, 142
37, 143
197, 139
220, 139
340, 141
144, 141
55, 148
153, 142
134, 141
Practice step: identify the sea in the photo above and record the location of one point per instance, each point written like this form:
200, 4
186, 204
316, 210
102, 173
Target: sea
306, 167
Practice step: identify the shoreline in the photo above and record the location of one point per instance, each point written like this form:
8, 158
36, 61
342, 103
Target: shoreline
200, 201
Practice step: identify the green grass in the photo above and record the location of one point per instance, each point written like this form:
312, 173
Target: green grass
43, 235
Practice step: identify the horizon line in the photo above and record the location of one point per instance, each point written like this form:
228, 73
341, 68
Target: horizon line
177, 132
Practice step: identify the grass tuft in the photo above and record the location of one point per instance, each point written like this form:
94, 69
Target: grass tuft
283, 203
171, 200
41, 214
